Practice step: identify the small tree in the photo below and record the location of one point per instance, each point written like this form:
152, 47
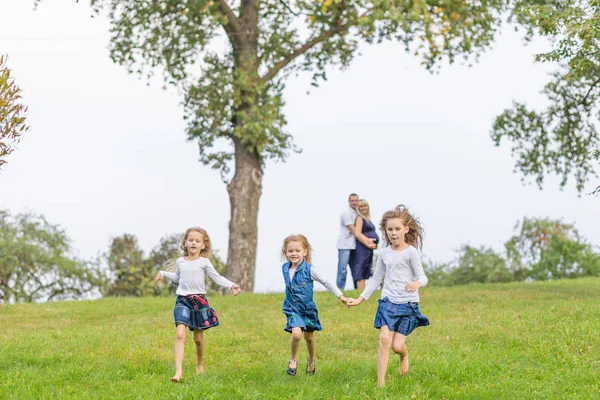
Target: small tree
12, 112
132, 273
36, 262
479, 265
549, 249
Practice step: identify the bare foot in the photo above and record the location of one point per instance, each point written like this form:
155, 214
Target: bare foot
403, 363
381, 383
177, 378
199, 369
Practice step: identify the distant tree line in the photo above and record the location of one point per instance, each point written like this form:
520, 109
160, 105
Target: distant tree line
541, 249
37, 261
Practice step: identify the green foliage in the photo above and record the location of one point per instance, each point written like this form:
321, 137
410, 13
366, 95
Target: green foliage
12, 112
36, 262
542, 249
133, 272
560, 138
235, 95
547, 249
481, 265
511, 341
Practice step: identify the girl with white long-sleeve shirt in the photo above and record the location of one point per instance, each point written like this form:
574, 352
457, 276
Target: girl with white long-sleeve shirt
399, 266
192, 310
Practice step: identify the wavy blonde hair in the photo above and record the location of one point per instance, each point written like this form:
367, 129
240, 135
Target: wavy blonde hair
206, 251
415, 234
300, 239
364, 202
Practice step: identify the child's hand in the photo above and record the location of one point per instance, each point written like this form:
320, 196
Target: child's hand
413, 286
235, 289
158, 279
354, 302
343, 299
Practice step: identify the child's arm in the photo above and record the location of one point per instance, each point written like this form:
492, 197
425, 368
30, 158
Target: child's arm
419, 273
317, 276
172, 276
372, 285
220, 280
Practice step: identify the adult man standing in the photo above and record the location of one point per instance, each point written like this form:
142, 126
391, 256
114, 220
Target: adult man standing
346, 241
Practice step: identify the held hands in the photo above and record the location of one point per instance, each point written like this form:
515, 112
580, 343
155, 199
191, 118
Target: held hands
354, 302
158, 278
413, 286
343, 299
235, 289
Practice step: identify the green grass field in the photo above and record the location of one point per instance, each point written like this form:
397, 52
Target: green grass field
510, 341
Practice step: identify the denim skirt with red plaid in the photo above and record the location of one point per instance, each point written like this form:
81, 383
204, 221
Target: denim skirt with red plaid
194, 312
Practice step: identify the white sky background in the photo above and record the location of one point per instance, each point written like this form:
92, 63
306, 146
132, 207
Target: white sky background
108, 154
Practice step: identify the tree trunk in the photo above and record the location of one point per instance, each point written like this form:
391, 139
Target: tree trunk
246, 186
244, 195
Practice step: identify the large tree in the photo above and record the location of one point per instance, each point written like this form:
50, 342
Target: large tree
561, 138
12, 112
232, 58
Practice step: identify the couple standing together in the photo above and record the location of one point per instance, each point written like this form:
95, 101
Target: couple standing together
356, 242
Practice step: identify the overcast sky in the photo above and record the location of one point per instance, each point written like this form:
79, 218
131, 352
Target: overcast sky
108, 154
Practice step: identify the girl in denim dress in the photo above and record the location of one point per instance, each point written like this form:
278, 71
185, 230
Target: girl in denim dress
192, 310
299, 307
399, 265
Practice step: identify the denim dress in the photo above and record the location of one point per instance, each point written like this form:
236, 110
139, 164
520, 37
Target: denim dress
298, 305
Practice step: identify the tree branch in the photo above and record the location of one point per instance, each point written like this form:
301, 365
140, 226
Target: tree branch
305, 47
301, 50
296, 13
584, 101
232, 27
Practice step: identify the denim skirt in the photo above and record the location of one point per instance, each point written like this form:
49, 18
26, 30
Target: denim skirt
402, 318
194, 312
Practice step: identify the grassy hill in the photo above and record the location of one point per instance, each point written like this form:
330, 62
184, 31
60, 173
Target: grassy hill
510, 341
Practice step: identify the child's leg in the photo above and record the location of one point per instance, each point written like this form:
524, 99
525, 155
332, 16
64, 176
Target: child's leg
295, 343
383, 354
311, 346
179, 346
360, 284
399, 347
199, 340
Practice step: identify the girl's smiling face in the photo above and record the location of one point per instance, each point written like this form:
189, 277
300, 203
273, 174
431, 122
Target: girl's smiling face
295, 253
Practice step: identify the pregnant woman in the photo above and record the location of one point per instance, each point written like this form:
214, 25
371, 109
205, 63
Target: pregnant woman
366, 241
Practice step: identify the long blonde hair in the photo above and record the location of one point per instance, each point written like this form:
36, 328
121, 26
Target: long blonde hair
364, 202
415, 234
303, 241
206, 252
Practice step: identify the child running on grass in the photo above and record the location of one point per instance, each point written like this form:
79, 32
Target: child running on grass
399, 265
191, 307
299, 306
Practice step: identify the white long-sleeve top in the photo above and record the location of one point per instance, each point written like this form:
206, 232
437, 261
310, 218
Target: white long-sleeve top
397, 268
191, 276
315, 275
